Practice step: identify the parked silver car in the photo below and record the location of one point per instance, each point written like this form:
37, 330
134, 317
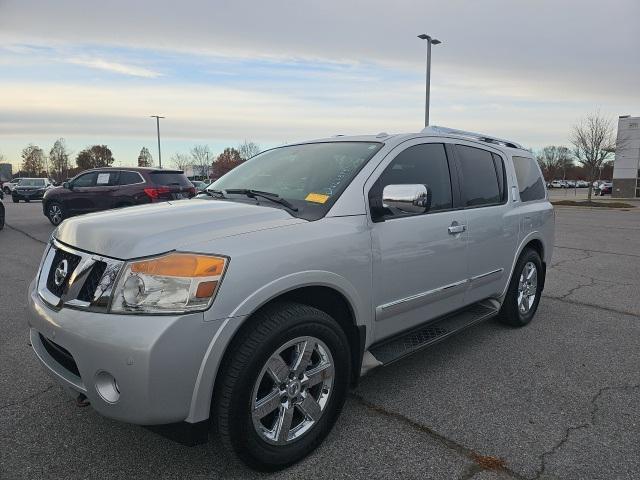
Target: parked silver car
255, 308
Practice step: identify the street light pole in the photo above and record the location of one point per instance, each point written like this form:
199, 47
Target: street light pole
430, 41
157, 117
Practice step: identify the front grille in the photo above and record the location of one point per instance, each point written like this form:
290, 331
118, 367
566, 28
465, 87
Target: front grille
60, 355
91, 283
72, 261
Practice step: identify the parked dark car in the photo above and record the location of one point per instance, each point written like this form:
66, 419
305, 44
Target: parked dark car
106, 188
29, 189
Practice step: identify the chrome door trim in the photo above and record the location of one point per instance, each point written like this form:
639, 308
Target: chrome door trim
483, 275
403, 304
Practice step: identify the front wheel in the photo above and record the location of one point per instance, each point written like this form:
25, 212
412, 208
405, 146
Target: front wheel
15, 199
282, 386
525, 289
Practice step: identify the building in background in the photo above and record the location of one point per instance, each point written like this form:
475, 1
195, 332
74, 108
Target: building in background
6, 172
626, 168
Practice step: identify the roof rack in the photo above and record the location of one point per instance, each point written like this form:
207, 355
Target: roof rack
434, 129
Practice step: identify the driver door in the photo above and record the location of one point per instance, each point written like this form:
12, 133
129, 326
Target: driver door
419, 266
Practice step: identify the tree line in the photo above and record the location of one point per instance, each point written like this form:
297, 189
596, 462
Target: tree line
593, 142
57, 163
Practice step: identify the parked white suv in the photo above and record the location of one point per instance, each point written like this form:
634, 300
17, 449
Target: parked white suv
254, 308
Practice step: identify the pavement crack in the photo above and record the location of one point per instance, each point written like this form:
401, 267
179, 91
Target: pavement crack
591, 305
479, 462
28, 399
599, 251
25, 233
593, 411
571, 291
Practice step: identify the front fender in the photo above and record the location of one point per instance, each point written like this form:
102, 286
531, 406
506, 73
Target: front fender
203, 390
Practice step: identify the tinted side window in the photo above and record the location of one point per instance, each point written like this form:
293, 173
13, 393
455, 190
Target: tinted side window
424, 164
529, 178
107, 179
129, 178
502, 175
86, 180
479, 177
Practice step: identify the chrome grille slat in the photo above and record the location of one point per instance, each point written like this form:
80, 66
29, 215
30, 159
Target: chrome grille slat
88, 283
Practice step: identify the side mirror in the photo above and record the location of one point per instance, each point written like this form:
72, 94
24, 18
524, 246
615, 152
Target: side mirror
407, 198
67, 185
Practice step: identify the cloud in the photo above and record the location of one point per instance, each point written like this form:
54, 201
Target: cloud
114, 67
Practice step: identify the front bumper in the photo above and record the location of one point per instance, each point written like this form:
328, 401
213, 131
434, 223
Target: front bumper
27, 195
155, 360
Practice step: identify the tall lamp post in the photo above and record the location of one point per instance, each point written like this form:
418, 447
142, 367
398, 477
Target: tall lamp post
430, 41
158, 117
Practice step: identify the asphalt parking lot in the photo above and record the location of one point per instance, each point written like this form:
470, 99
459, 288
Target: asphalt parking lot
559, 399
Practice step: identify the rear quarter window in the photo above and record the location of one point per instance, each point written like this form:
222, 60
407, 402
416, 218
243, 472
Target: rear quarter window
530, 182
170, 178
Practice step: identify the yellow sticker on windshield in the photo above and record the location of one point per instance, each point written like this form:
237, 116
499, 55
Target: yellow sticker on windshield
317, 198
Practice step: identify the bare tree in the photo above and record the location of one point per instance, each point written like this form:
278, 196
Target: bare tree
180, 160
248, 149
202, 159
144, 158
59, 159
564, 160
548, 161
593, 140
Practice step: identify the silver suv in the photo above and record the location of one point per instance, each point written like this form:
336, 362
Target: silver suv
254, 308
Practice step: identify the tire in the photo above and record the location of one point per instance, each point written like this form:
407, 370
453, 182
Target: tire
518, 308
15, 199
1, 217
244, 378
55, 213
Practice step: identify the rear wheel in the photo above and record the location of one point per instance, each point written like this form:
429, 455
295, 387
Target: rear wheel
15, 199
282, 386
525, 288
55, 213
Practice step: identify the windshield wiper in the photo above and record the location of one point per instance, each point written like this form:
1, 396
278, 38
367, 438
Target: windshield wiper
212, 191
274, 197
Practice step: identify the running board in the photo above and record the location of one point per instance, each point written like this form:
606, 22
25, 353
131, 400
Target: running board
389, 351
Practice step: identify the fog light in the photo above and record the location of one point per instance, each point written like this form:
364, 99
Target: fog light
107, 387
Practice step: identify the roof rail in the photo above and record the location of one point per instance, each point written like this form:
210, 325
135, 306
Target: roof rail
434, 129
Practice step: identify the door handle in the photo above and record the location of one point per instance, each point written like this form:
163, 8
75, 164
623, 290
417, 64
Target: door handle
453, 229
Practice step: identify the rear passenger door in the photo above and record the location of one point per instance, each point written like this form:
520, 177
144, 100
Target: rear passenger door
492, 227
103, 194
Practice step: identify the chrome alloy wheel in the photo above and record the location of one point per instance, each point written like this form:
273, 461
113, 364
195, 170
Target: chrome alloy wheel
55, 214
292, 390
527, 287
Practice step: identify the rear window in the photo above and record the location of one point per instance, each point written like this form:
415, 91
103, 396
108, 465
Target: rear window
129, 178
529, 178
170, 178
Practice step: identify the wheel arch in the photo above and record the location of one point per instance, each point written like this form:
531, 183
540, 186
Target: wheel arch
328, 297
534, 241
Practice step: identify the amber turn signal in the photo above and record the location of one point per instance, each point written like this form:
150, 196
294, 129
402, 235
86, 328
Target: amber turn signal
181, 265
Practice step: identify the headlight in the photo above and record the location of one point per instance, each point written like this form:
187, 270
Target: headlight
173, 283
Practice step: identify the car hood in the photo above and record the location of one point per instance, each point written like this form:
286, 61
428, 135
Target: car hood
157, 228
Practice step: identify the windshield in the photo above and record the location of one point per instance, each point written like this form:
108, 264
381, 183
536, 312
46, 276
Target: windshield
31, 182
309, 175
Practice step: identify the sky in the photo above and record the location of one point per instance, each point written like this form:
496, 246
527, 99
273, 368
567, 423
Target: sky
224, 71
